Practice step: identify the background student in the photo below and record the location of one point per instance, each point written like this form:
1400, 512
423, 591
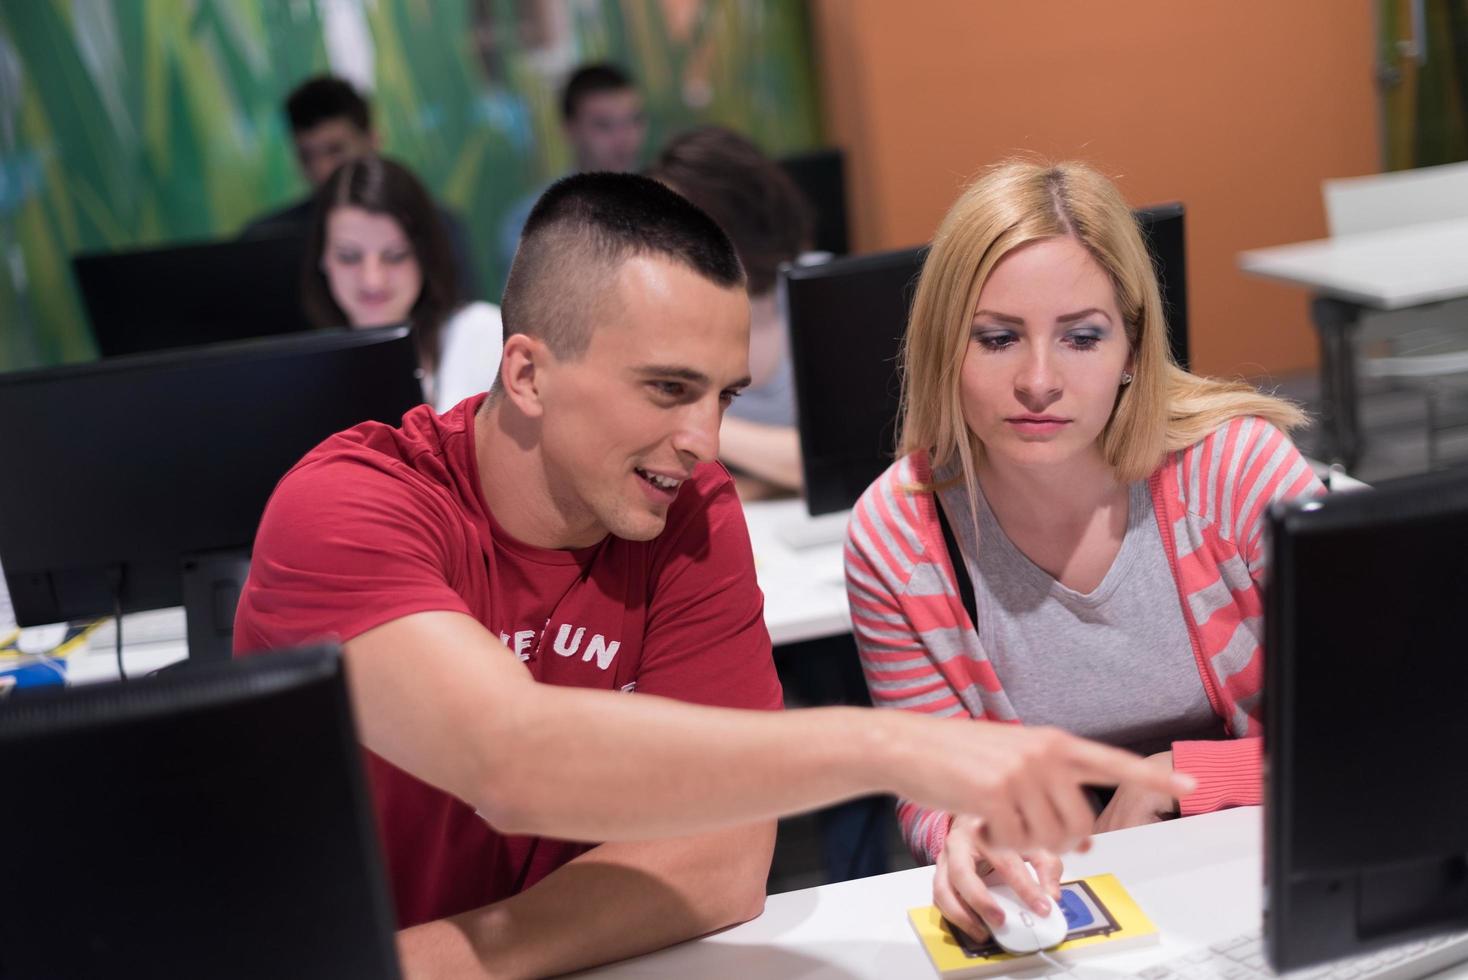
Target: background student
331, 124
770, 223
605, 126
1072, 535
377, 256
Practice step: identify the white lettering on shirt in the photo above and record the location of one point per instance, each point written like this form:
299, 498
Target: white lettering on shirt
598, 648
569, 650
601, 650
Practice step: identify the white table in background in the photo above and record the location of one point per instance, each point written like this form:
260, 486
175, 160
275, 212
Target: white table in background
1393, 269
797, 559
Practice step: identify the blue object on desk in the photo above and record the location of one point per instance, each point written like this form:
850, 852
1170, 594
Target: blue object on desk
36, 675
1077, 916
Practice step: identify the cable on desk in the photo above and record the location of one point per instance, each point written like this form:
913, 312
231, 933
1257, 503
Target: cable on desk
114, 578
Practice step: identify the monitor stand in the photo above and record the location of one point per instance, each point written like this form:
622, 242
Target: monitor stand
212, 582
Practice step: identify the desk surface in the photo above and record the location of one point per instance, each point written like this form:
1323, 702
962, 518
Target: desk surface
1199, 879
1389, 270
798, 561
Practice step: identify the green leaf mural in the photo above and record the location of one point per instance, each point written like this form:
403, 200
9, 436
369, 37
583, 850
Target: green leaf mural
134, 122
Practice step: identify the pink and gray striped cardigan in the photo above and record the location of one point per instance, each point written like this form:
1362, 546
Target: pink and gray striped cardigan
921, 652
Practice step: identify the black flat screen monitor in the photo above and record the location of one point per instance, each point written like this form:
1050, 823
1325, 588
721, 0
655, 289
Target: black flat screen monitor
213, 822
1366, 800
821, 177
142, 478
847, 319
1162, 230
151, 299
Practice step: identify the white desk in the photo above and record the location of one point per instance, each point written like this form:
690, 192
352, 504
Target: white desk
1394, 269
1199, 880
797, 559
150, 640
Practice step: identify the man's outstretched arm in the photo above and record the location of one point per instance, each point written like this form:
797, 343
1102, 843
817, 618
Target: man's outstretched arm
440, 697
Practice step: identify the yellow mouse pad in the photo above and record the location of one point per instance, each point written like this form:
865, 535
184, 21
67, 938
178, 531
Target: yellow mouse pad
1101, 916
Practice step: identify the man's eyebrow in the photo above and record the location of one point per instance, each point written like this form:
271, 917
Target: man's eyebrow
682, 373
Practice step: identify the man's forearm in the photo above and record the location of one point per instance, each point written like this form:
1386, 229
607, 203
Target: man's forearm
616, 900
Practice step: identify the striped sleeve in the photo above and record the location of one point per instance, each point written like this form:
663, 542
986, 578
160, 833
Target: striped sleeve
1229, 773
883, 552
1262, 466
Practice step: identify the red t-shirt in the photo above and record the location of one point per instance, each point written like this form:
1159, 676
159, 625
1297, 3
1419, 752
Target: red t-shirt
377, 523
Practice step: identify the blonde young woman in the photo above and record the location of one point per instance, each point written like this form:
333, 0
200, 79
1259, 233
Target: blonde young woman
1071, 535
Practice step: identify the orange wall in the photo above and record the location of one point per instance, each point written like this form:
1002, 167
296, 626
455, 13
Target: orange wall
1238, 109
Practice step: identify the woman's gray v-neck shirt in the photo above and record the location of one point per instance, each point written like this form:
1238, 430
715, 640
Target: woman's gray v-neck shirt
1114, 664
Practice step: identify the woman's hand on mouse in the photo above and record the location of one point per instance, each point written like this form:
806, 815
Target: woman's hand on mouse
967, 862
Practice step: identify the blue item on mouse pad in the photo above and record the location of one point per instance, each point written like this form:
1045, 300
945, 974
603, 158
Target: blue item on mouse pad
1077, 915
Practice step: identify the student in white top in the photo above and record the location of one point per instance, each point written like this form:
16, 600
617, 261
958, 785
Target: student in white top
378, 255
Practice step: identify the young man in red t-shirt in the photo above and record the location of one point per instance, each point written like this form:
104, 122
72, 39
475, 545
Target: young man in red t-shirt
572, 528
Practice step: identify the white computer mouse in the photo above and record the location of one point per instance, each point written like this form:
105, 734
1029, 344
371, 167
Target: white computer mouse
1025, 930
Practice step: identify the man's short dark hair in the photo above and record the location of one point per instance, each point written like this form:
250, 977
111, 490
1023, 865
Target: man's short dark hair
323, 98
591, 80
581, 231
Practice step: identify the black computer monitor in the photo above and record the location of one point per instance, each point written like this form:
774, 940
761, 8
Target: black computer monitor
847, 319
151, 299
1366, 799
137, 482
213, 822
1162, 231
821, 177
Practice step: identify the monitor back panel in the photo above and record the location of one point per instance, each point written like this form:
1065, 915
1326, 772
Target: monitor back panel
1366, 800
135, 461
213, 823
821, 177
189, 295
847, 320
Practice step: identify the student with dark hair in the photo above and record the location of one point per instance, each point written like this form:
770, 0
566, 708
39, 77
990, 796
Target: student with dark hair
528, 585
331, 123
770, 222
601, 113
604, 124
377, 255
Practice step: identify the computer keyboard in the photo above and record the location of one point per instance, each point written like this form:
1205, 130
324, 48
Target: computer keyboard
1242, 958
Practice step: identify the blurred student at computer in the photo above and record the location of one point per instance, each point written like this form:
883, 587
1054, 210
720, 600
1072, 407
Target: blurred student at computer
768, 220
377, 256
605, 126
331, 123
528, 585
1104, 506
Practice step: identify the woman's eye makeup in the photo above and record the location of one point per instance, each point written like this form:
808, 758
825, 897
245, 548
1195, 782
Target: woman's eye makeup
1085, 338
994, 339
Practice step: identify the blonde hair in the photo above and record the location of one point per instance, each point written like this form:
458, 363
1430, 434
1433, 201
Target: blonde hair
1164, 409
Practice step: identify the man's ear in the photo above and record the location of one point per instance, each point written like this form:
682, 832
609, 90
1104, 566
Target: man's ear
523, 373
374, 141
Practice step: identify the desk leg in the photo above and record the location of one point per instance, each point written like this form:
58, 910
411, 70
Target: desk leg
1336, 322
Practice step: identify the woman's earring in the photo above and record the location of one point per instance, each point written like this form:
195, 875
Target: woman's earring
1126, 378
